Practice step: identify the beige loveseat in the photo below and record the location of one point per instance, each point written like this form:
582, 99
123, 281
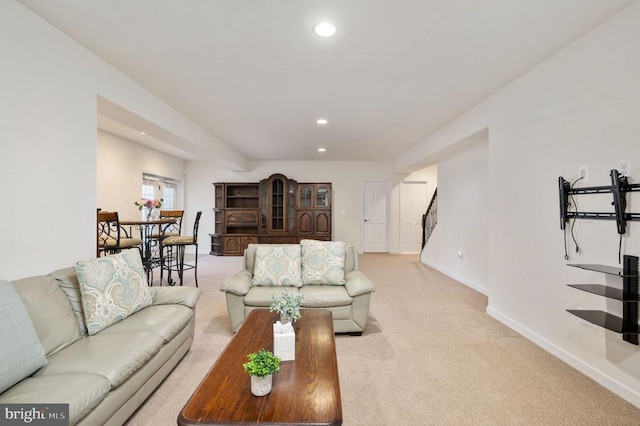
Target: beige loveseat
106, 376
348, 300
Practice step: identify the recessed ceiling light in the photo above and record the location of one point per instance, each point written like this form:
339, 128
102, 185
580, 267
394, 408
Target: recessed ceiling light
322, 149
143, 133
324, 29
321, 121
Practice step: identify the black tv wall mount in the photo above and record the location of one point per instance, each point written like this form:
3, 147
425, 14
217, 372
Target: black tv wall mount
619, 188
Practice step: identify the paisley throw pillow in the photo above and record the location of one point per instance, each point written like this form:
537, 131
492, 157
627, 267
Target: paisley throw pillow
277, 265
112, 288
323, 262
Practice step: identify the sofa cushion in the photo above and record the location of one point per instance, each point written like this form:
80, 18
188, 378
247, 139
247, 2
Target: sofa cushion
186, 296
50, 312
263, 296
277, 265
323, 262
115, 356
164, 320
82, 392
112, 287
324, 296
21, 353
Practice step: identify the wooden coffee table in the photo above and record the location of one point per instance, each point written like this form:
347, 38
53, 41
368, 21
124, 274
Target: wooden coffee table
305, 390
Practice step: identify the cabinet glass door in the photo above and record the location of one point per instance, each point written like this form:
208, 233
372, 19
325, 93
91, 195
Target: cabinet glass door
305, 197
322, 197
277, 204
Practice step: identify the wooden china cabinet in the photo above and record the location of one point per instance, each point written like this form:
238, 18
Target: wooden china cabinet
236, 217
314, 210
275, 210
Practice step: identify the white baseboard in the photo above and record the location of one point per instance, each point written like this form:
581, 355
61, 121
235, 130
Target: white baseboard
458, 278
608, 382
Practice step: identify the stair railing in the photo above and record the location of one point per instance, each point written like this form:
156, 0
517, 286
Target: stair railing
430, 218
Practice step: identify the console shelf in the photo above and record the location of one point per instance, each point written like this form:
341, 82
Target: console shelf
602, 290
609, 270
628, 295
606, 320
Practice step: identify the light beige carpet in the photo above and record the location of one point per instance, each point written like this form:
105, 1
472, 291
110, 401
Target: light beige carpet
430, 356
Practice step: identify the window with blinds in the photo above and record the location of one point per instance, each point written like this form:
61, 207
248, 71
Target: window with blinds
159, 187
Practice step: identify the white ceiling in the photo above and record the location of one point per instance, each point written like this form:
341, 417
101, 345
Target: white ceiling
253, 74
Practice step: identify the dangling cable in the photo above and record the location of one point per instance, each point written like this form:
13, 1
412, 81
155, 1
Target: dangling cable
573, 236
573, 222
620, 250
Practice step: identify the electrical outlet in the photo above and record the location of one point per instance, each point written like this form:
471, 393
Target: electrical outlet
583, 172
624, 167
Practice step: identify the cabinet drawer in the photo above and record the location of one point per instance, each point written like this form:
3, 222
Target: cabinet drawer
236, 245
268, 239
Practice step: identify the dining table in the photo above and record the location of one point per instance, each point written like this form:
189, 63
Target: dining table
151, 231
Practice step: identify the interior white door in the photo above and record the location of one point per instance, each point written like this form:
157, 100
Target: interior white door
413, 204
376, 213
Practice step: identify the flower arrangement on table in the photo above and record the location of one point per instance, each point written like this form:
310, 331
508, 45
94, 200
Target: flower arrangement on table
149, 206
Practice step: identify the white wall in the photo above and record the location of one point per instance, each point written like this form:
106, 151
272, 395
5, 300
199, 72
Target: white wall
578, 108
462, 218
120, 164
346, 178
47, 159
48, 116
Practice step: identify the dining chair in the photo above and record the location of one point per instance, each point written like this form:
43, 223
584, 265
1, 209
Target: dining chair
172, 250
172, 229
112, 237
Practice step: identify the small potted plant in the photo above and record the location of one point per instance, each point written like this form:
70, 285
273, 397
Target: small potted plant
287, 305
261, 367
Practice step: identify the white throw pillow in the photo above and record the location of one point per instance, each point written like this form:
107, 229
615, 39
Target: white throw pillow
21, 353
112, 288
323, 262
277, 265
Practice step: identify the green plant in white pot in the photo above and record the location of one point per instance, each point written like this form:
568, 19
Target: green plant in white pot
261, 367
287, 305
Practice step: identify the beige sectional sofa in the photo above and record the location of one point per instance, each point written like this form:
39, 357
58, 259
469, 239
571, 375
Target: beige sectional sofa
328, 279
106, 376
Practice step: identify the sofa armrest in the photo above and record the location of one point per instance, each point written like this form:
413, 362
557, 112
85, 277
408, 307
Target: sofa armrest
358, 283
187, 296
238, 283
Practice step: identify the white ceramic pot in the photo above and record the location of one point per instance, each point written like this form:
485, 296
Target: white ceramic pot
260, 386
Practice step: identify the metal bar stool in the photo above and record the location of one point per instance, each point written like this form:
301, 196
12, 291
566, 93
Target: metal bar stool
172, 251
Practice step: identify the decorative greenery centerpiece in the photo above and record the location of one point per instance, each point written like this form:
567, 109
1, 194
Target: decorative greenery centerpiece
261, 367
287, 305
262, 363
